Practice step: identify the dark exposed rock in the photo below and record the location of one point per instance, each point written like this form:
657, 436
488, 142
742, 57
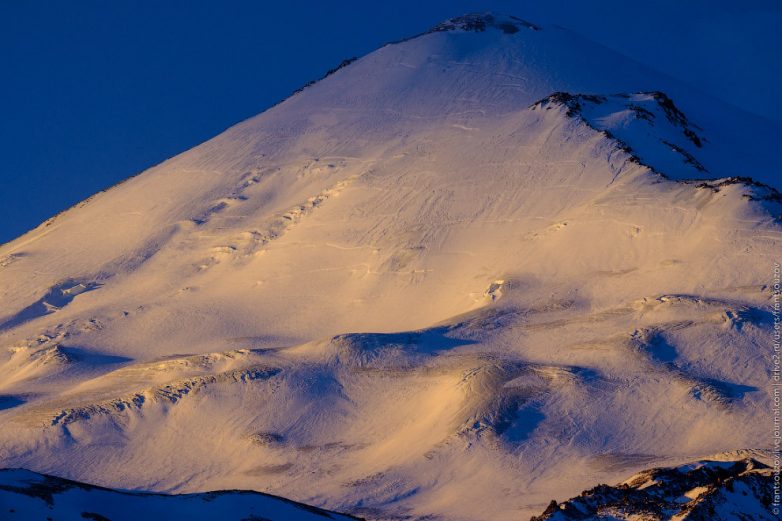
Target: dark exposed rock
688, 158
705, 490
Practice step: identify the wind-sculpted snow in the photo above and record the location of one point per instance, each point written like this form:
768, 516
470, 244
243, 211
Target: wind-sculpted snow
371, 416
411, 291
57, 297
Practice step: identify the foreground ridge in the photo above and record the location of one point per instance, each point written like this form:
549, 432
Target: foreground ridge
28, 495
702, 490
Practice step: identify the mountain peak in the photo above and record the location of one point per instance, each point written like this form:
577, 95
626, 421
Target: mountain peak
479, 22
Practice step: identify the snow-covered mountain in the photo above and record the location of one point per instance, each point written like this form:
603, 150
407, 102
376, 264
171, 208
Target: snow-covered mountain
475, 270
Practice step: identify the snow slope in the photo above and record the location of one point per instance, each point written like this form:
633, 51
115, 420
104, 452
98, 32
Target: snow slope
470, 272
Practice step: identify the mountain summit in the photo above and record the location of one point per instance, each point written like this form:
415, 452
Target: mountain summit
471, 272
480, 22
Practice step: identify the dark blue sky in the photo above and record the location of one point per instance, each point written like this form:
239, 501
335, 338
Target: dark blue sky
92, 92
